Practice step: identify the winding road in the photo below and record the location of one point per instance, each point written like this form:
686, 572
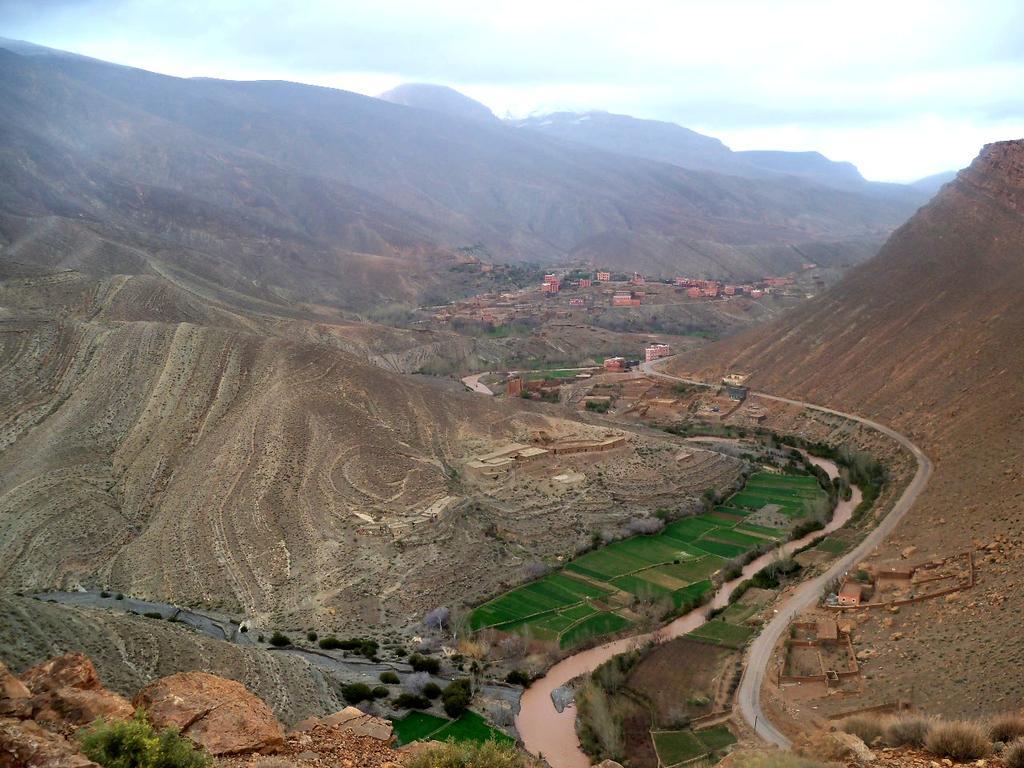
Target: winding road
748, 695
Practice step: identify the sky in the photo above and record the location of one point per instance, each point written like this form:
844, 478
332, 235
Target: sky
901, 88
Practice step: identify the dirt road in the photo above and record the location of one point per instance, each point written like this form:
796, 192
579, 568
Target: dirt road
473, 383
748, 695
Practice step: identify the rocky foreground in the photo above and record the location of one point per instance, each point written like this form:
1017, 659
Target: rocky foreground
41, 711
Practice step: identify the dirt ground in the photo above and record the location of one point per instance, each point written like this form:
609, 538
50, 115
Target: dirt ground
681, 679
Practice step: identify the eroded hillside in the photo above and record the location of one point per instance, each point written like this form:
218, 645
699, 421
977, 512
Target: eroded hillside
927, 337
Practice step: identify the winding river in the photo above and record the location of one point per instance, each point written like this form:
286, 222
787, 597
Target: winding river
551, 734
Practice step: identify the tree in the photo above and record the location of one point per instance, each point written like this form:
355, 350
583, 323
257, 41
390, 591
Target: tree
437, 618
456, 697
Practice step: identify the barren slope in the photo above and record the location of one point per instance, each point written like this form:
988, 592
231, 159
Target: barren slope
927, 337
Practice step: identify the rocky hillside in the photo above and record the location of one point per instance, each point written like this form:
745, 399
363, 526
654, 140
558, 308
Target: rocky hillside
43, 710
927, 337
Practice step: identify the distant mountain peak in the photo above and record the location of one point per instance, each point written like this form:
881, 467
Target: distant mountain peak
438, 98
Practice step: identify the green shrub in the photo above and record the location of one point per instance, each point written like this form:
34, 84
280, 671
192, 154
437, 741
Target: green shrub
119, 596
866, 727
907, 731
470, 755
456, 697
380, 692
104, 593
958, 740
431, 690
389, 677
518, 677
425, 664
280, 640
134, 744
356, 692
1013, 757
1006, 728
411, 701
311, 636
330, 643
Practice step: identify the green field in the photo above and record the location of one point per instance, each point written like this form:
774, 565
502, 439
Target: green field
717, 737
596, 625
416, 726
676, 747
675, 565
419, 726
722, 633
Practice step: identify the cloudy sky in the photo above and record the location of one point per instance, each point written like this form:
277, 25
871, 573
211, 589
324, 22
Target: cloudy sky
902, 88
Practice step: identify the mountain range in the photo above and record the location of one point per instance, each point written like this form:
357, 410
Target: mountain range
311, 195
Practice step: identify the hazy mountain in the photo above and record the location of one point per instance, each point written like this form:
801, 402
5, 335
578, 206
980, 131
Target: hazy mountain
810, 165
927, 337
932, 184
438, 98
650, 139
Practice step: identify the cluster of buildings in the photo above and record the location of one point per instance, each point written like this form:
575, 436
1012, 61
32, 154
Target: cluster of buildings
627, 298
498, 463
695, 288
656, 352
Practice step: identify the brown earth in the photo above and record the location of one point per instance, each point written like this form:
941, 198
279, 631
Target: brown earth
926, 337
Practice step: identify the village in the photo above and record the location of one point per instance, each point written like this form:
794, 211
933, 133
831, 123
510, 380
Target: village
571, 292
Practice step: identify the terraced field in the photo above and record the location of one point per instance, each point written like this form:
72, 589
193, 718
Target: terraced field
579, 601
677, 747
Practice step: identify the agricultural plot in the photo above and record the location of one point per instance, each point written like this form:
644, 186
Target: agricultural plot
573, 604
722, 633
420, 726
676, 747
594, 626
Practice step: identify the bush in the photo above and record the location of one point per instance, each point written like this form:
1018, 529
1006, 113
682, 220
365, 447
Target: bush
470, 755
280, 640
866, 727
380, 692
134, 744
518, 677
425, 664
389, 677
411, 701
153, 615
119, 596
104, 594
1006, 728
356, 692
330, 643
431, 690
456, 697
958, 740
1013, 757
311, 636
907, 731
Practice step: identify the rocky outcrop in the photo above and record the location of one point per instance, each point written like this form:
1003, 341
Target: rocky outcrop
349, 719
14, 695
26, 744
220, 715
67, 691
837, 746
